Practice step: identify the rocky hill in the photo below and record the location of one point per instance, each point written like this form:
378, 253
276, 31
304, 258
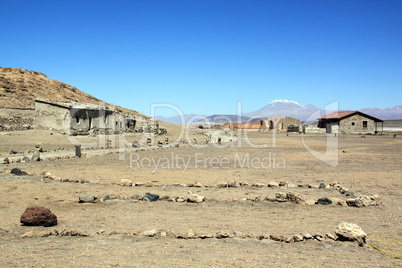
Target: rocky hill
19, 88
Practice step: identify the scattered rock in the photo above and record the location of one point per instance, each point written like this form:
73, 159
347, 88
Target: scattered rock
377, 199
263, 236
126, 182
36, 156
221, 235
29, 234
322, 186
273, 184
109, 198
6, 161
350, 232
87, 198
150, 233
295, 198
13, 152
232, 184
38, 216
283, 183
307, 236
151, 197
258, 184
222, 185
279, 238
194, 198
323, 201
331, 236
138, 196
205, 235
191, 234
298, 238
25, 159
197, 184
319, 237
16, 171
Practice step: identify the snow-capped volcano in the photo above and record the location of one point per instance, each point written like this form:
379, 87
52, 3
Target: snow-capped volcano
284, 108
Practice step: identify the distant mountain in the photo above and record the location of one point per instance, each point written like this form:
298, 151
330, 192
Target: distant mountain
384, 114
177, 119
284, 108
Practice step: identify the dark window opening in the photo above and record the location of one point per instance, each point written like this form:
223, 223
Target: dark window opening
353, 123
77, 118
364, 124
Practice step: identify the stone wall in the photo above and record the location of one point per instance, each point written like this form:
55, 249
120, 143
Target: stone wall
354, 125
49, 116
313, 129
281, 122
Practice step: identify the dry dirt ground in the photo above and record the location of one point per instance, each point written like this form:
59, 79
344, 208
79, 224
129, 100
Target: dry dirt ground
370, 165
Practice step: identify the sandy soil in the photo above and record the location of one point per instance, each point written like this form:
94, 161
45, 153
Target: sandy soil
370, 165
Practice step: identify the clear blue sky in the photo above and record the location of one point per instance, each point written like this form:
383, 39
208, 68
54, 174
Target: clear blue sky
204, 56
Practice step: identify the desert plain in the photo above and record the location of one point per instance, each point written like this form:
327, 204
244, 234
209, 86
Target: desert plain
232, 227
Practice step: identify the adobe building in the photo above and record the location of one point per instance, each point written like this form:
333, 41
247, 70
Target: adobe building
352, 122
251, 126
76, 117
282, 122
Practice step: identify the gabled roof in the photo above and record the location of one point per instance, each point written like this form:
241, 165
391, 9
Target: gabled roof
342, 114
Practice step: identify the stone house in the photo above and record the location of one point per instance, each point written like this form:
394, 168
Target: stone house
70, 117
353, 122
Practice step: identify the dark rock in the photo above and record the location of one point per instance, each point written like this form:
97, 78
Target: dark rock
136, 144
13, 152
38, 216
322, 186
151, 197
6, 161
87, 198
16, 171
25, 159
351, 194
36, 156
323, 201
109, 198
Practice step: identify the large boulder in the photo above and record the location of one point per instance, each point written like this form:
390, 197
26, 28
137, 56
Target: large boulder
350, 232
38, 216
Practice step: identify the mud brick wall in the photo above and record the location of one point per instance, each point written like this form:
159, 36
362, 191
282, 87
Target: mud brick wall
346, 126
51, 116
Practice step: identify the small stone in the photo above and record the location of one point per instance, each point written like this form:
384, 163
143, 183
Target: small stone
206, 235
29, 234
377, 199
45, 233
322, 186
148, 184
106, 198
126, 182
48, 175
180, 200
38, 216
258, 184
307, 236
36, 156
150, 233
25, 159
323, 201
232, 184
273, 184
263, 236
295, 198
290, 240
16, 171
194, 198
151, 197
298, 238
87, 198
310, 202
222, 185
279, 238
330, 236
354, 202
138, 196
6, 161
191, 234
197, 184
221, 235
319, 237
283, 183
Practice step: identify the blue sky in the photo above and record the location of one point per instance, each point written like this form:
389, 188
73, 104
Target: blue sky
205, 56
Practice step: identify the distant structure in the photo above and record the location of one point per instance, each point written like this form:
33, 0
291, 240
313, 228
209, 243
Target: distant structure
282, 123
353, 122
74, 117
255, 126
